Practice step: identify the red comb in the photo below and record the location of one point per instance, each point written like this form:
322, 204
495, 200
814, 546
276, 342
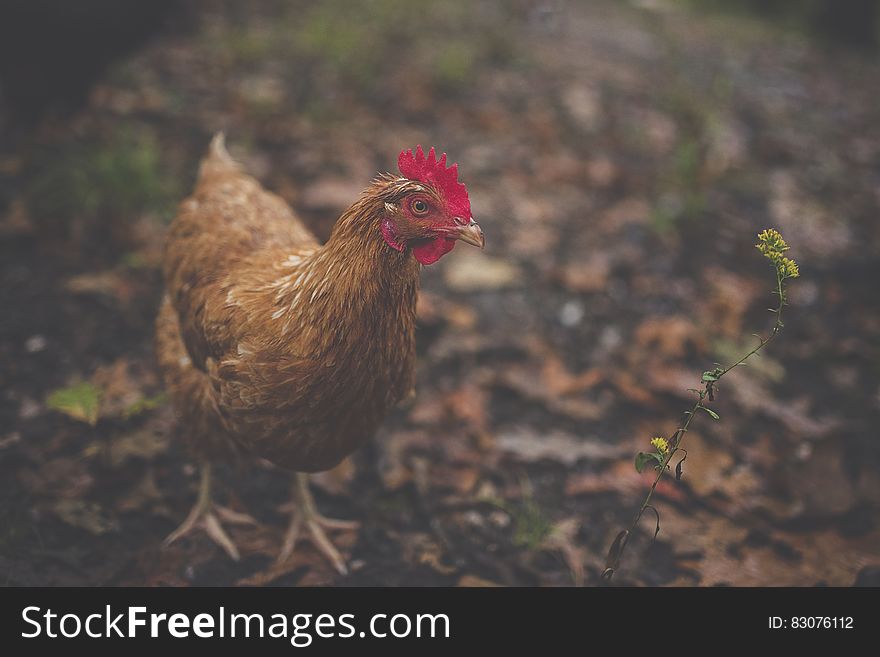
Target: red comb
432, 171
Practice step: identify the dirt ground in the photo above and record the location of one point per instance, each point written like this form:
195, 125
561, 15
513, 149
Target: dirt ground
620, 159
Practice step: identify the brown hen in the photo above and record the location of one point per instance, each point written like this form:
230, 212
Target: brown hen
275, 346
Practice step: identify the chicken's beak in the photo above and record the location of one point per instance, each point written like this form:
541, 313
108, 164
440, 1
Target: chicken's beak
471, 233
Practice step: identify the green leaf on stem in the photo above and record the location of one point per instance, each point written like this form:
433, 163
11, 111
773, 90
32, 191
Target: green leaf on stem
712, 413
644, 458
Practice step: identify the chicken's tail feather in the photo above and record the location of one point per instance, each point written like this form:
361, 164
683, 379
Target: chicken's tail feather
217, 160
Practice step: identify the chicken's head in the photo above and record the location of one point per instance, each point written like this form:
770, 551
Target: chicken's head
432, 209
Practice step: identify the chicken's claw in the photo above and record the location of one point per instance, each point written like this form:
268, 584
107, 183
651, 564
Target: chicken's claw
303, 512
204, 516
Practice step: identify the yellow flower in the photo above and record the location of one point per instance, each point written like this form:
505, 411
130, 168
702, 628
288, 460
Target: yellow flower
661, 444
772, 245
789, 268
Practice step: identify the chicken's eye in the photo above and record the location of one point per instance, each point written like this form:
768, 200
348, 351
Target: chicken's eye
419, 207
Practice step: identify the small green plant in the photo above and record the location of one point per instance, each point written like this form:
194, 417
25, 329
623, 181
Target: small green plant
120, 175
81, 401
531, 525
773, 247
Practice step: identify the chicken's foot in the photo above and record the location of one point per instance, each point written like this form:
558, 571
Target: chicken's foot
304, 514
206, 515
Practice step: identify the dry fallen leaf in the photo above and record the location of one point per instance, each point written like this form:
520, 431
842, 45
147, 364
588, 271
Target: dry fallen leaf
459, 477
621, 477
560, 381
120, 389
710, 468
673, 380
622, 214
584, 105
731, 297
111, 283
472, 581
423, 548
144, 443
755, 397
588, 275
670, 336
468, 270
723, 551
432, 556
533, 445
85, 515
551, 388
469, 403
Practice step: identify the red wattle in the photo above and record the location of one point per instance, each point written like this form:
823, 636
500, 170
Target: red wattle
430, 251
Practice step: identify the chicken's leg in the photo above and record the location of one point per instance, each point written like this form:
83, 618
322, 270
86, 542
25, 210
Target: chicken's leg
204, 515
304, 513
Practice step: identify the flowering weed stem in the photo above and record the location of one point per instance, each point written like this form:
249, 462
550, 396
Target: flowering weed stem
772, 246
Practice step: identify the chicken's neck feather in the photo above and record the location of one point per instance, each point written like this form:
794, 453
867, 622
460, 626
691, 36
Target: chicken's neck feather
355, 285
